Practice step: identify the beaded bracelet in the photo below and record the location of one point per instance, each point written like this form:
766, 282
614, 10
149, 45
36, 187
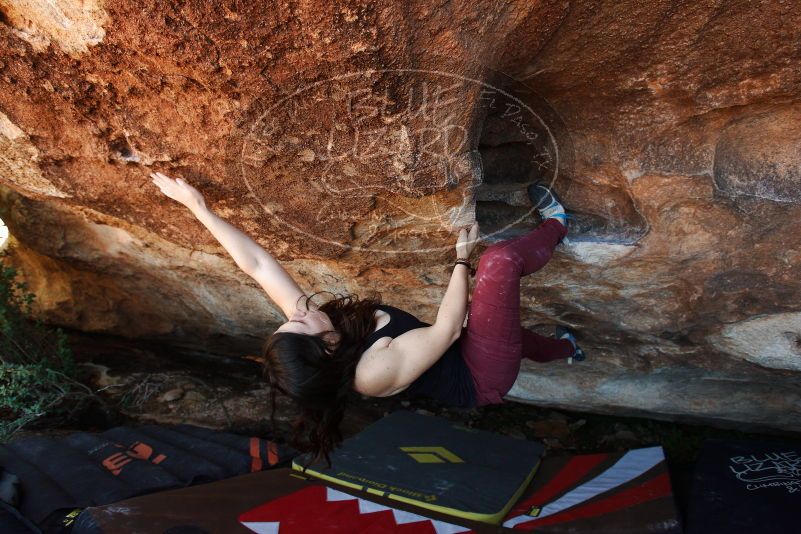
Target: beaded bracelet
466, 264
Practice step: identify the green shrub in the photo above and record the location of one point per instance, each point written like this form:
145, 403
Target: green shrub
37, 370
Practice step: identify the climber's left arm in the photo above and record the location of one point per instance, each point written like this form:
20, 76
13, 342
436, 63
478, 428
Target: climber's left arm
248, 255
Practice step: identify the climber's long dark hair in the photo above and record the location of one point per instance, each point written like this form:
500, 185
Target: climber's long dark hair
317, 376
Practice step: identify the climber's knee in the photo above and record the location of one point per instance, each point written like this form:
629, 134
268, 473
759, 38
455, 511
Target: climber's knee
501, 260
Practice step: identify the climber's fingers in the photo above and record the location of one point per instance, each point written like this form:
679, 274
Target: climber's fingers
162, 182
469, 234
166, 180
473, 235
177, 189
165, 183
158, 181
168, 186
163, 179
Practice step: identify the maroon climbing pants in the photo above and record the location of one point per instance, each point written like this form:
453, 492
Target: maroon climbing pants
493, 342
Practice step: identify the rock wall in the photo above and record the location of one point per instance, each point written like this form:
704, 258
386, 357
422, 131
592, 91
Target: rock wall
351, 138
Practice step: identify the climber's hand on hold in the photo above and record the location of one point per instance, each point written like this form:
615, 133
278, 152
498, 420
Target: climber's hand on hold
178, 190
467, 241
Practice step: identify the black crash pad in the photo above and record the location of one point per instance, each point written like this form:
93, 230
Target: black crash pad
746, 487
434, 464
60, 476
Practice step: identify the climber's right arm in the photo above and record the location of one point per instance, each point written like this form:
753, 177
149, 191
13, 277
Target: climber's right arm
248, 255
253, 260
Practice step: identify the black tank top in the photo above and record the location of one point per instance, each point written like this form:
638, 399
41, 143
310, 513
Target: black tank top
448, 380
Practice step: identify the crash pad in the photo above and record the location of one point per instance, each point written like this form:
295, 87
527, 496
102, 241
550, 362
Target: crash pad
612, 493
602, 493
59, 477
434, 464
746, 486
279, 500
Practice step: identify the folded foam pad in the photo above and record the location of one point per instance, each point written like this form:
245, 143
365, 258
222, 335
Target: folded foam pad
279, 500
746, 486
614, 493
85, 469
435, 464
12, 523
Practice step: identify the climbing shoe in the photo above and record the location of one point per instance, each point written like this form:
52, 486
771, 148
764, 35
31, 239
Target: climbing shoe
546, 203
564, 333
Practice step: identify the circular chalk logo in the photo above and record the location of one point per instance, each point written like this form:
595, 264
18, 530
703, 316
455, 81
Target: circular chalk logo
394, 160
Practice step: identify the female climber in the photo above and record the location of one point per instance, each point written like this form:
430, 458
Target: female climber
322, 353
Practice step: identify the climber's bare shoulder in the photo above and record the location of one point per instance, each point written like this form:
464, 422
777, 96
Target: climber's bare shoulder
377, 371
